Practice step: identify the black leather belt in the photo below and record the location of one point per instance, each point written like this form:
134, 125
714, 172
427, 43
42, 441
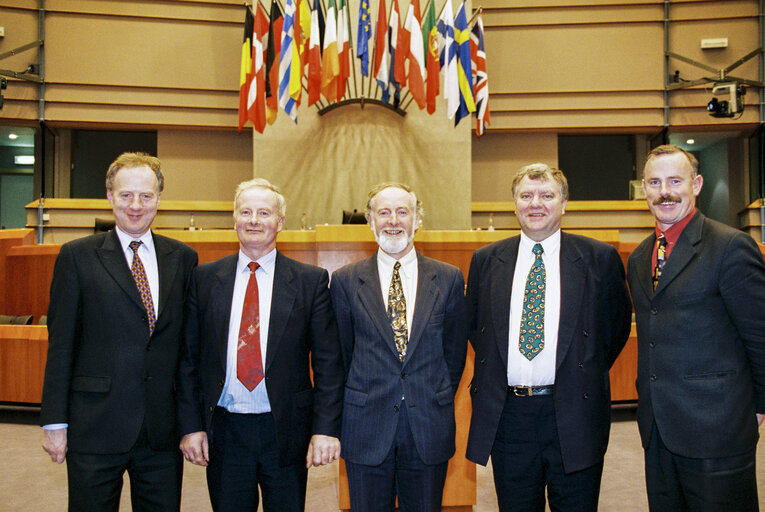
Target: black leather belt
530, 390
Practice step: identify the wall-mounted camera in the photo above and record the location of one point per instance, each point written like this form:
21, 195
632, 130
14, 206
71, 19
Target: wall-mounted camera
727, 100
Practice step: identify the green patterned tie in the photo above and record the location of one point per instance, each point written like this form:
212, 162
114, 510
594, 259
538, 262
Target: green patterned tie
532, 339
397, 312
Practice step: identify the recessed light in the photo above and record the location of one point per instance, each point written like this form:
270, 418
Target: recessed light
13, 136
24, 159
690, 141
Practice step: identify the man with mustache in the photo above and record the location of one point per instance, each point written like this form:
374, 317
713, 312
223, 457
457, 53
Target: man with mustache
699, 292
403, 335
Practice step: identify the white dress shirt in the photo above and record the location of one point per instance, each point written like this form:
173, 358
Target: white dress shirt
408, 274
148, 256
540, 371
235, 397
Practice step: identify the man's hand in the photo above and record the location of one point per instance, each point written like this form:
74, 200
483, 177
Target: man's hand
760, 417
54, 442
195, 448
322, 450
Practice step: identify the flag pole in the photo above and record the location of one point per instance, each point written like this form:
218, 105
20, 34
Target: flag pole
472, 19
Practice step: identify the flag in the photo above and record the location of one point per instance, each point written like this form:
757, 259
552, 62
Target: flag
363, 35
381, 64
245, 70
480, 77
286, 62
464, 74
272, 55
399, 47
314, 54
304, 22
343, 48
416, 53
256, 97
448, 59
330, 65
430, 38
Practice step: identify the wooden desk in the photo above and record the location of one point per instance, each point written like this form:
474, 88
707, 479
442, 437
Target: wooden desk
23, 349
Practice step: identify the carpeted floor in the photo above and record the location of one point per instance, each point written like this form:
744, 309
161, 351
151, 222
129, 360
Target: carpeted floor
29, 481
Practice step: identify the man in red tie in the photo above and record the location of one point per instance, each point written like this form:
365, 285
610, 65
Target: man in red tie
114, 332
257, 323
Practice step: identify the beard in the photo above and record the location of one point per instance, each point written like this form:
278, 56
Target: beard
392, 244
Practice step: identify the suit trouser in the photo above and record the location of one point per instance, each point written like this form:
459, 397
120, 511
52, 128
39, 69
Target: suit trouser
526, 459
244, 454
419, 486
682, 484
95, 480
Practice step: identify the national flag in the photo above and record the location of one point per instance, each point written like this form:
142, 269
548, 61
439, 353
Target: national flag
480, 77
330, 65
464, 74
416, 53
381, 64
287, 62
304, 22
273, 53
430, 37
343, 48
399, 47
245, 70
363, 35
256, 97
448, 59
314, 54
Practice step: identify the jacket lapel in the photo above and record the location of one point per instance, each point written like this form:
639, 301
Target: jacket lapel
168, 263
501, 271
222, 295
282, 302
113, 259
370, 295
572, 284
427, 295
642, 255
682, 253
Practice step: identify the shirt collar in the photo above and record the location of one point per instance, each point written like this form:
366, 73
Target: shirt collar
676, 229
267, 262
407, 261
550, 245
125, 239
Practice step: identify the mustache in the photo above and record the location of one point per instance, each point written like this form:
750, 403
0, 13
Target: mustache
666, 199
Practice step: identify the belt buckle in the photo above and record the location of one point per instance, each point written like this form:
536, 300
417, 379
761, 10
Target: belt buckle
522, 391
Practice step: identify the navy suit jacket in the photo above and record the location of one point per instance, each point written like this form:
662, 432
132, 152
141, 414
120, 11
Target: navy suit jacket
105, 375
701, 340
302, 335
375, 377
594, 326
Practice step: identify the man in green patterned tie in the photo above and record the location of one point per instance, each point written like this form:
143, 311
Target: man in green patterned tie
548, 315
403, 333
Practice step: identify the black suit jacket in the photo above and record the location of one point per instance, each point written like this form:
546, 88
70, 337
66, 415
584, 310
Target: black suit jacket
701, 340
302, 334
594, 326
105, 376
376, 378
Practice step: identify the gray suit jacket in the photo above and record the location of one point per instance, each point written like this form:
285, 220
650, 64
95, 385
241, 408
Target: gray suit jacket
701, 341
375, 377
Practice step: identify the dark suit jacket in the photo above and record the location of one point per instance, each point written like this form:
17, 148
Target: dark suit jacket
376, 378
105, 376
701, 341
594, 326
302, 334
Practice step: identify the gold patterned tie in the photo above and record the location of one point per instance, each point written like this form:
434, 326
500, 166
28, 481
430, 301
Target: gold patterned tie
661, 258
532, 339
397, 312
139, 274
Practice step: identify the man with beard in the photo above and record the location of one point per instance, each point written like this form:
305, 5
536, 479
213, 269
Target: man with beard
699, 293
403, 334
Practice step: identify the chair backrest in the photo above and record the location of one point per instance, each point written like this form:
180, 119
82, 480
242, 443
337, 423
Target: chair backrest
16, 319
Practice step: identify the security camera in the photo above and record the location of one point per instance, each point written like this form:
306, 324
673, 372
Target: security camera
727, 100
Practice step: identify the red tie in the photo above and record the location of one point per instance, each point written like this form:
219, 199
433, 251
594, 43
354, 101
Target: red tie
139, 274
249, 362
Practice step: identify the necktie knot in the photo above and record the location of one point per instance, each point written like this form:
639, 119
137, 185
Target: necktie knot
134, 245
253, 266
538, 250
